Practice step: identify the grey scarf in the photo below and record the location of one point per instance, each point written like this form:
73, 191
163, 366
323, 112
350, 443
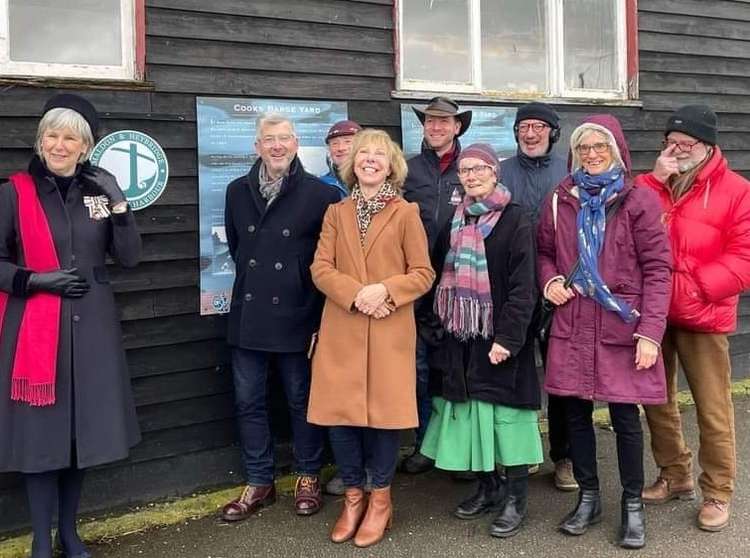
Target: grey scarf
269, 187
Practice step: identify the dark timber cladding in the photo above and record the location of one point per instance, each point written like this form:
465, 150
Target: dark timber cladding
690, 51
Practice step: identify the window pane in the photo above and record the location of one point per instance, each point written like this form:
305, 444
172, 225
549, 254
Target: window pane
69, 32
435, 36
590, 44
514, 53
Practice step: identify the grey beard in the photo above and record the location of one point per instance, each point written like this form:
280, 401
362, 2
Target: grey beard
687, 166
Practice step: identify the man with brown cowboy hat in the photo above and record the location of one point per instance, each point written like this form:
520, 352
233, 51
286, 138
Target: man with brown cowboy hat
433, 184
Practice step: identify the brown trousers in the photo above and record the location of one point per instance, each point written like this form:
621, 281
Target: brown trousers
705, 360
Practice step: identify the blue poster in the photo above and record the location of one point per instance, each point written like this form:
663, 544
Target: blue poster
493, 125
226, 137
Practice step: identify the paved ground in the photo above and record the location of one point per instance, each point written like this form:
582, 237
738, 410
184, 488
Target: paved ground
424, 527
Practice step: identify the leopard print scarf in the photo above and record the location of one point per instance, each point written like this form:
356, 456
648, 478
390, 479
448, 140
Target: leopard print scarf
365, 209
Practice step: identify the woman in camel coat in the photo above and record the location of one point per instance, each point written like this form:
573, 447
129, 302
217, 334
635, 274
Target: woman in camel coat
372, 264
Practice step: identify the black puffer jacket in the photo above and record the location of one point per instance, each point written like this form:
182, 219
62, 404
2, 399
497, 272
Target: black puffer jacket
530, 179
436, 193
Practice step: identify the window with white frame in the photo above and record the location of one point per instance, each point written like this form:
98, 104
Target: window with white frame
68, 38
514, 48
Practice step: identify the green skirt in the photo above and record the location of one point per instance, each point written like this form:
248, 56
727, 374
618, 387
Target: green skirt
474, 436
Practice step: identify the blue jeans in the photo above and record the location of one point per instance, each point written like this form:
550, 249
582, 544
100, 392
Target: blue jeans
358, 448
424, 401
250, 371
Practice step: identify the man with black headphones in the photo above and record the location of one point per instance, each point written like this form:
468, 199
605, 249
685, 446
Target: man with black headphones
530, 176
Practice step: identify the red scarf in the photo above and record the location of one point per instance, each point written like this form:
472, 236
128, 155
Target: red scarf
35, 362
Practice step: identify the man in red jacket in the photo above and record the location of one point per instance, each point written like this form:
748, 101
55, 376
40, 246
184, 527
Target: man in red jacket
707, 215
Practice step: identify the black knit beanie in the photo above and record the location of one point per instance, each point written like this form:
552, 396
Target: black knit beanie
78, 104
697, 121
539, 111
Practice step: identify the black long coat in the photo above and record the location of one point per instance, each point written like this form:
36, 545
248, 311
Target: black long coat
463, 369
275, 306
94, 403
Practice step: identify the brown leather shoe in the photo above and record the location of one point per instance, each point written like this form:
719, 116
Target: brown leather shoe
307, 495
355, 503
714, 515
250, 501
664, 490
378, 518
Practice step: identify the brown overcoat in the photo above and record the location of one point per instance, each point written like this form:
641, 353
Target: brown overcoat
363, 369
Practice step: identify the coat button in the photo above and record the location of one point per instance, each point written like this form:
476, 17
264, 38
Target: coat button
286, 233
76, 318
248, 297
275, 300
278, 266
252, 263
251, 228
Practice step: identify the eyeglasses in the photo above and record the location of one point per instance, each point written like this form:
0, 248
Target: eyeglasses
268, 141
537, 127
683, 146
584, 148
479, 169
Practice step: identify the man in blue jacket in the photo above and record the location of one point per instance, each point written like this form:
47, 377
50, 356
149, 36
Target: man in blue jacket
273, 217
433, 184
339, 141
530, 175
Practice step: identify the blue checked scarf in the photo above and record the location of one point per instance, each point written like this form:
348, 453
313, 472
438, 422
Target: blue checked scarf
593, 192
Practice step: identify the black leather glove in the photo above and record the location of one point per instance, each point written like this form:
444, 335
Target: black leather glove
64, 282
102, 182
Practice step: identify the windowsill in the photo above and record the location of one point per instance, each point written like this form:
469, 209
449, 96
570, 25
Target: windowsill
79, 83
478, 98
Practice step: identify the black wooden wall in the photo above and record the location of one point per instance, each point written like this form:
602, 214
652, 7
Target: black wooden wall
690, 51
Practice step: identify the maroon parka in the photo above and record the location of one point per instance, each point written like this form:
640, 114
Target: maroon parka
591, 353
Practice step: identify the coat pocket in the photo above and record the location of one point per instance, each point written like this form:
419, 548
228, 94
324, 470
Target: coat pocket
562, 320
615, 330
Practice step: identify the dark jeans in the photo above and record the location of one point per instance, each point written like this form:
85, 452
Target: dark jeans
627, 426
557, 425
250, 370
358, 448
424, 401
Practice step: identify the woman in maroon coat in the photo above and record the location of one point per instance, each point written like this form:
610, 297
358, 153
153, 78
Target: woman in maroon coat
605, 335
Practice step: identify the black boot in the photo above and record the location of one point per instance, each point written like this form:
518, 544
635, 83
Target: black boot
513, 514
633, 526
488, 497
588, 512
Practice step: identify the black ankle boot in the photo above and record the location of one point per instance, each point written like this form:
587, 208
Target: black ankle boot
633, 526
488, 497
588, 511
513, 514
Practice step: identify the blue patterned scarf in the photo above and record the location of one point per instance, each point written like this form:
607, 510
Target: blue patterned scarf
591, 222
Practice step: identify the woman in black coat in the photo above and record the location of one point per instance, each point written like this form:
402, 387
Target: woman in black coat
65, 396
485, 413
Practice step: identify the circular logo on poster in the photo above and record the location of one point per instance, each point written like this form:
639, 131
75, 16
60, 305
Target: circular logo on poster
138, 163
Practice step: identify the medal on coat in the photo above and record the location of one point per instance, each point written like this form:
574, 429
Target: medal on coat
455, 197
98, 207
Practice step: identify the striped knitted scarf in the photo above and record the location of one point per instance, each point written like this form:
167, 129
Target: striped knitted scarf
463, 300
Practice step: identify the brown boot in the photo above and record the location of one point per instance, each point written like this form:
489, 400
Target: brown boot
714, 515
351, 515
377, 519
250, 501
664, 490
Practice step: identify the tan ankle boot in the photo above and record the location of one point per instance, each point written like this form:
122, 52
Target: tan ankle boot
377, 519
351, 515
664, 490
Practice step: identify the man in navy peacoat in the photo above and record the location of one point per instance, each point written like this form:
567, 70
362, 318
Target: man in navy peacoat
273, 218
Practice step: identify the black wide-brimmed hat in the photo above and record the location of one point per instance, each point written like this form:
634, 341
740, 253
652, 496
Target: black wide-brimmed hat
443, 106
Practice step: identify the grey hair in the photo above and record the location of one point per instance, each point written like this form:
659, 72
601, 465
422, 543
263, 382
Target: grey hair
577, 137
59, 118
272, 119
